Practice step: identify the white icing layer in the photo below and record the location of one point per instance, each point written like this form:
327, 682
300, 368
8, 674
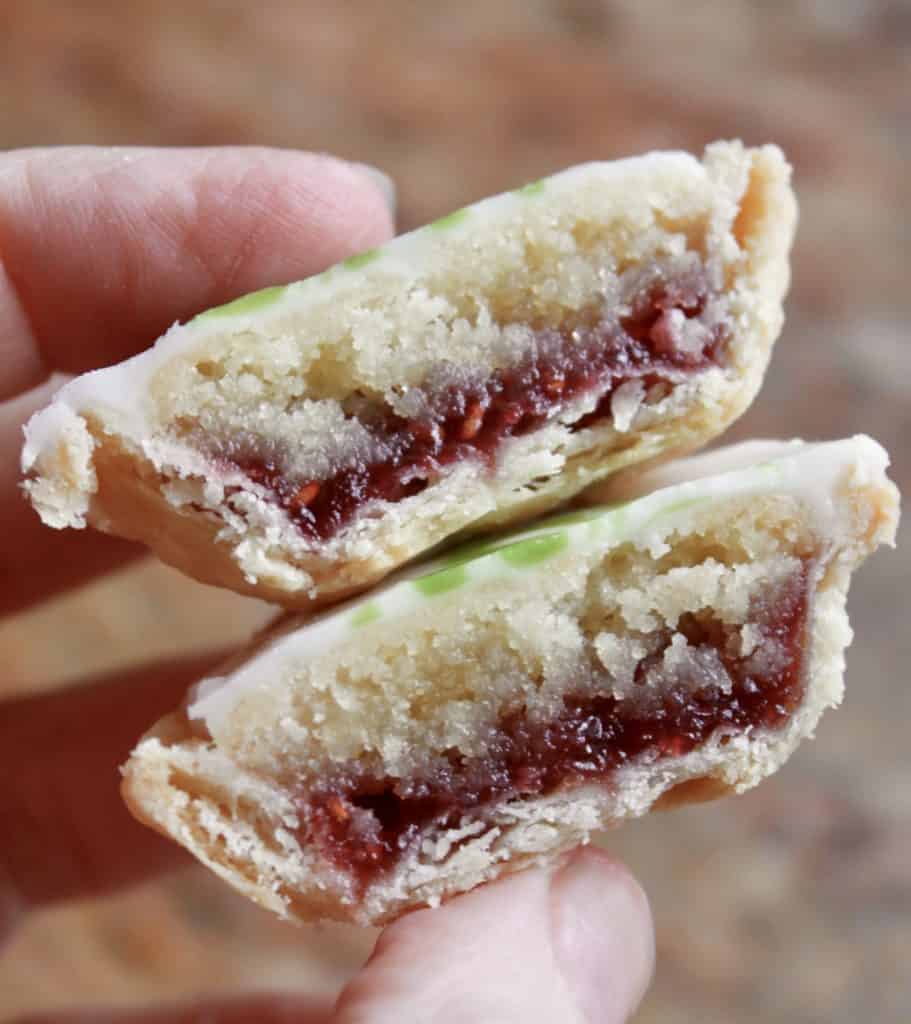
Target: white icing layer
815, 474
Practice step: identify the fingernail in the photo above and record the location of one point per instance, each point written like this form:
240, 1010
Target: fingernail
383, 182
603, 939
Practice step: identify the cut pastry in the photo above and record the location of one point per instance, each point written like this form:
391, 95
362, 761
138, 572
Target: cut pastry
492, 708
300, 443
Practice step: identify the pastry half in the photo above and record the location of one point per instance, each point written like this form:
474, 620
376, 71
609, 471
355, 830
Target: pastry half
300, 443
491, 709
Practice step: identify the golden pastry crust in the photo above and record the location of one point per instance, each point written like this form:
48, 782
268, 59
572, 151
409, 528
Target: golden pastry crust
141, 450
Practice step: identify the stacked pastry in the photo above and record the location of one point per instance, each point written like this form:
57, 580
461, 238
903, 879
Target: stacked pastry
515, 614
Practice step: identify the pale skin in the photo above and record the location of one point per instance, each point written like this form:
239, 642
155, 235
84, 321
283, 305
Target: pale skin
101, 250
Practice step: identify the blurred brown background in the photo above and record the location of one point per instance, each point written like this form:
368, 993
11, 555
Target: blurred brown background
792, 903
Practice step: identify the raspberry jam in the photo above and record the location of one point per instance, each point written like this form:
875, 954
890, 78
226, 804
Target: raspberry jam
598, 355
365, 824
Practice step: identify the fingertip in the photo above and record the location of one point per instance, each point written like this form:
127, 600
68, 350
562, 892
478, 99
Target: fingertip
352, 204
603, 934
271, 216
104, 249
568, 942
381, 181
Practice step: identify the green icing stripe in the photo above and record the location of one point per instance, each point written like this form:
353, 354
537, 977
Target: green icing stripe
479, 548
247, 303
450, 220
366, 614
678, 506
533, 188
526, 553
551, 537
361, 259
442, 581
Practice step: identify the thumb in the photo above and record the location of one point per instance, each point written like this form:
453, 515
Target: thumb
572, 944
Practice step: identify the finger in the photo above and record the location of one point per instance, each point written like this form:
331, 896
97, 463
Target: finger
247, 1010
64, 830
36, 562
573, 945
102, 249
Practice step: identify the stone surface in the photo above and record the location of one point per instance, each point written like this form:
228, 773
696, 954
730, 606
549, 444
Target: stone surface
792, 903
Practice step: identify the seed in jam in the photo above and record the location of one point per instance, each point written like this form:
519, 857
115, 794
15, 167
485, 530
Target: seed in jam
365, 824
650, 344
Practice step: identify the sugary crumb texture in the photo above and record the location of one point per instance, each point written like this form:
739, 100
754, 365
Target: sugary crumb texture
304, 441
501, 727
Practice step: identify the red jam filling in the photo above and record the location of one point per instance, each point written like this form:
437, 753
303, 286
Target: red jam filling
365, 824
471, 422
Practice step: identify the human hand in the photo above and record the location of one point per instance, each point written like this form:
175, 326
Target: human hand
100, 250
